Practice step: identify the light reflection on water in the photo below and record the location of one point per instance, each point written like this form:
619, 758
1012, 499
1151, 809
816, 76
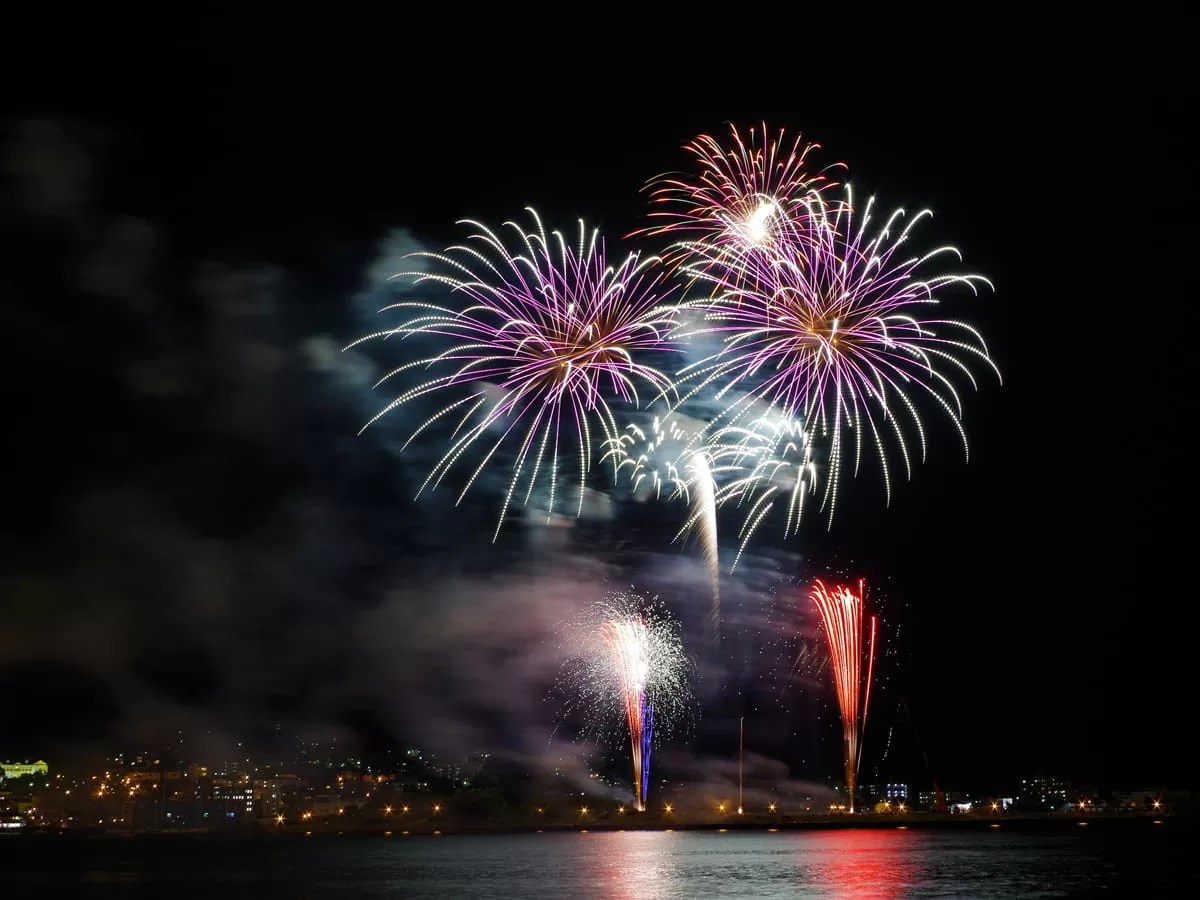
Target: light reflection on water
852, 863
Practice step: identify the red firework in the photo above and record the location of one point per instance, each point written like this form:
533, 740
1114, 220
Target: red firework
842, 615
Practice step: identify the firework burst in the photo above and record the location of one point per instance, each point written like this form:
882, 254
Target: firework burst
836, 332
759, 465
749, 195
545, 334
627, 672
841, 612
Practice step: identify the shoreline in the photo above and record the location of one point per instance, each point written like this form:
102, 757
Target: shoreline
917, 822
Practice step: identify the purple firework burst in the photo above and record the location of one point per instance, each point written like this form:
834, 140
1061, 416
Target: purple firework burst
545, 336
836, 330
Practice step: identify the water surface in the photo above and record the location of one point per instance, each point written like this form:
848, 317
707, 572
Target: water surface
1137, 859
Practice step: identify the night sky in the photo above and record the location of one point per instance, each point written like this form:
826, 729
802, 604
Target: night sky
196, 538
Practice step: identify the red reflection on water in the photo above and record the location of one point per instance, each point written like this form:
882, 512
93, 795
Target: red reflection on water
858, 862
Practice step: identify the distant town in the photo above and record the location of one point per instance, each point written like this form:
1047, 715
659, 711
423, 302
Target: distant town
318, 791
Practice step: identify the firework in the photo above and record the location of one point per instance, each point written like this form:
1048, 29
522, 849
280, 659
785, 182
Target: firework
628, 666
836, 332
655, 458
545, 334
761, 463
671, 454
705, 516
841, 612
748, 195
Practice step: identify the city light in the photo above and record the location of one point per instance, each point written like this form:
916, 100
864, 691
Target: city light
182, 796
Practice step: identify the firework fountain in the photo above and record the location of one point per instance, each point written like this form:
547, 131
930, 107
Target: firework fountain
628, 674
841, 612
627, 641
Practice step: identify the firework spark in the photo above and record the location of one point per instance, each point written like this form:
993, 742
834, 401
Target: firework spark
656, 457
834, 332
759, 464
545, 334
841, 612
748, 194
627, 665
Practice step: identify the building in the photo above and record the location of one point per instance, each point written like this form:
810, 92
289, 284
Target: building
889, 792
1042, 793
232, 801
19, 770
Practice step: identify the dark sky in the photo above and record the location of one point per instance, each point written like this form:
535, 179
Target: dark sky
196, 539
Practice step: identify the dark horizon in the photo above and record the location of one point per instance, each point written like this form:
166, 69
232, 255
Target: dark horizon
196, 538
